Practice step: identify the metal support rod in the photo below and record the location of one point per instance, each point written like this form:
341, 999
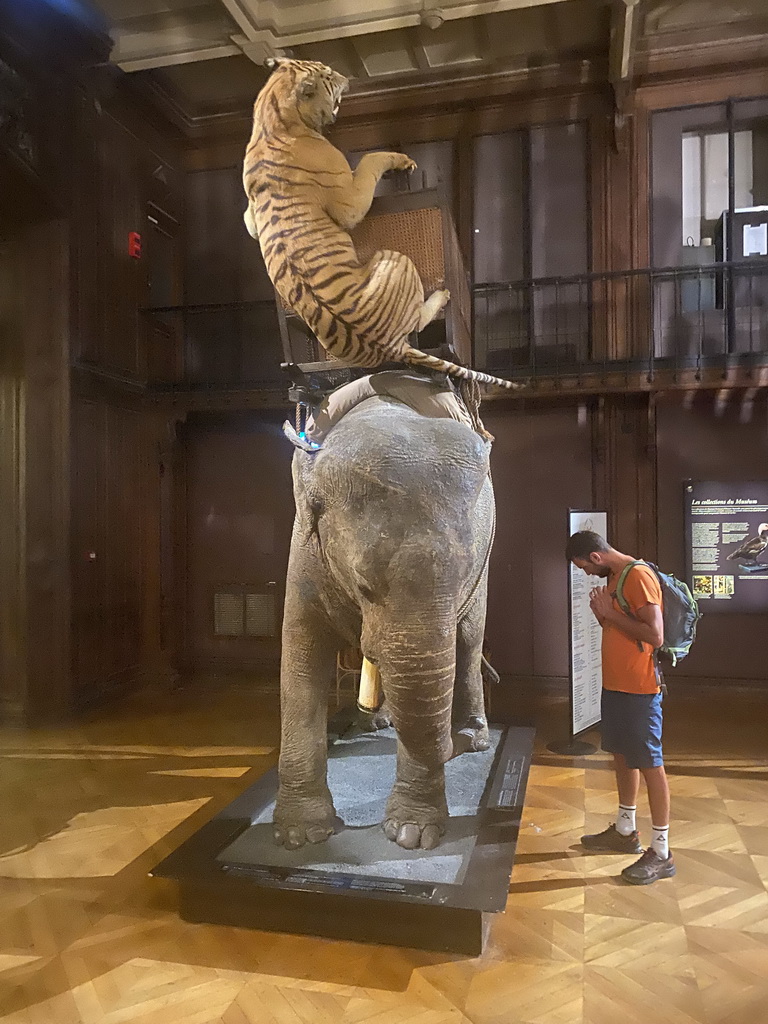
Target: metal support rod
729, 254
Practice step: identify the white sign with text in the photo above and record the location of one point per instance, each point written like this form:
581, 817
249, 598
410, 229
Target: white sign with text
586, 633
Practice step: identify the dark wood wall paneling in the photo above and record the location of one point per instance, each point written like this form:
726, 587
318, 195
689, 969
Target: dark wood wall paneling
239, 517
126, 182
238, 343
46, 54
34, 466
541, 467
82, 445
122, 458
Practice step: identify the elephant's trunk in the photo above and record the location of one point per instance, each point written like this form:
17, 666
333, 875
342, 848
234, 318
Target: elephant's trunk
418, 667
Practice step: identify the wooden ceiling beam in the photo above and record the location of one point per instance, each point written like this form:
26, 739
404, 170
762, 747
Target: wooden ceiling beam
240, 13
165, 59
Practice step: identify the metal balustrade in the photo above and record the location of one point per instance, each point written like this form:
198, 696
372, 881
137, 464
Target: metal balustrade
688, 318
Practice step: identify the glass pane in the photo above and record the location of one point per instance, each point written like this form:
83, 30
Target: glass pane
686, 167
499, 215
753, 115
705, 180
559, 201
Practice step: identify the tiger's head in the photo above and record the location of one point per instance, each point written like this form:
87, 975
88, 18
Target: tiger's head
305, 89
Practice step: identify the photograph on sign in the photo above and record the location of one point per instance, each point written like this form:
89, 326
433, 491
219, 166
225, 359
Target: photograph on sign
586, 634
726, 527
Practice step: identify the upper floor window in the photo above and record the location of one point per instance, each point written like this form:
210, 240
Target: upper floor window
693, 184
705, 180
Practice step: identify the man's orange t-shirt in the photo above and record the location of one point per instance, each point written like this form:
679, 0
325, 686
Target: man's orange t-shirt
628, 664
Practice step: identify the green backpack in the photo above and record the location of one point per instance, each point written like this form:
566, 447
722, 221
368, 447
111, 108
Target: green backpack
680, 610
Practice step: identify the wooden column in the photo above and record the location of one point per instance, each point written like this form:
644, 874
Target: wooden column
624, 470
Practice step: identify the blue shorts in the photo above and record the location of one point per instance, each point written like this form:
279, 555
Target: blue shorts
631, 725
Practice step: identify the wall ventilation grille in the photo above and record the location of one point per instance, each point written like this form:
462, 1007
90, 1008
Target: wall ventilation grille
243, 613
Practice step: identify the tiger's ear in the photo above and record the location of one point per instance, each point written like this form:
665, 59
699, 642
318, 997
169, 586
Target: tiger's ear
308, 87
273, 63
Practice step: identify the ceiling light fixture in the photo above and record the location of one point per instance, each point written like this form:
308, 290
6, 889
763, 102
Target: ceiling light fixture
432, 18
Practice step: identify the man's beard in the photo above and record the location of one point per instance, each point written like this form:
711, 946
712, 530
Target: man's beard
602, 572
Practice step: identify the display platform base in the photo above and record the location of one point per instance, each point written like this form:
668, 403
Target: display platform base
359, 885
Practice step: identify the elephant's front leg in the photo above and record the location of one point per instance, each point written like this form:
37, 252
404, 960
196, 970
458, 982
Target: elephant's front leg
304, 810
417, 809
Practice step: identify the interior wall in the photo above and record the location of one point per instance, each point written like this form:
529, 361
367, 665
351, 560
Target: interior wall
239, 517
114, 510
705, 437
235, 341
541, 466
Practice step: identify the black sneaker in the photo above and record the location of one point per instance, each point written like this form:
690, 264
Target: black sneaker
613, 841
649, 868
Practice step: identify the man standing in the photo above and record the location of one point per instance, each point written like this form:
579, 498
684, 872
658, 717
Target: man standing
631, 701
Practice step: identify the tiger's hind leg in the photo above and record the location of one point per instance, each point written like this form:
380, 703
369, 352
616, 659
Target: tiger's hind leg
250, 223
391, 298
437, 300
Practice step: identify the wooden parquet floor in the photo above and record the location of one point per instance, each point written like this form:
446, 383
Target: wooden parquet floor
87, 938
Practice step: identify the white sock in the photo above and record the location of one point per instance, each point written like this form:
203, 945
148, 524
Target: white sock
660, 841
625, 820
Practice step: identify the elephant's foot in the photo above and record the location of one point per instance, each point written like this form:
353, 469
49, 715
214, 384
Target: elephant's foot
381, 719
414, 823
471, 735
301, 820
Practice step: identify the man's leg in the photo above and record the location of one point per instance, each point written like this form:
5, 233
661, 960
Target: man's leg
657, 862
628, 786
627, 781
622, 836
658, 800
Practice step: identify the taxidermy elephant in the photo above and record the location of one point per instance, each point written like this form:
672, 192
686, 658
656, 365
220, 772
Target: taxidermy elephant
393, 530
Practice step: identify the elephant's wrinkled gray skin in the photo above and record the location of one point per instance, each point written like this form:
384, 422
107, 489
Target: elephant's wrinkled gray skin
394, 520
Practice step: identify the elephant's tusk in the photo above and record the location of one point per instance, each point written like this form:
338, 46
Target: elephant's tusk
370, 695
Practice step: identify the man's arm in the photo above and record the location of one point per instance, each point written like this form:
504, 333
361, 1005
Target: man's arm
647, 626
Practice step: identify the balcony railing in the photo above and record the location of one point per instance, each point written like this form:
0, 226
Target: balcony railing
702, 320
678, 318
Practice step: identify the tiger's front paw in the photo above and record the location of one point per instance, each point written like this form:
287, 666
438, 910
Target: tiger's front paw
401, 162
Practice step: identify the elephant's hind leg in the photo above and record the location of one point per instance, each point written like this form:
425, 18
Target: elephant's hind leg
469, 722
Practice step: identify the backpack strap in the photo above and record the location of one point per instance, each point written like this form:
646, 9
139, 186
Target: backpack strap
623, 603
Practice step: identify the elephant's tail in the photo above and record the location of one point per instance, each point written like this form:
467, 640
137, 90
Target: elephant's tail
488, 672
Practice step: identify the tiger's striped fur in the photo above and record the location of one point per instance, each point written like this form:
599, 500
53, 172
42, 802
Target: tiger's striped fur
303, 200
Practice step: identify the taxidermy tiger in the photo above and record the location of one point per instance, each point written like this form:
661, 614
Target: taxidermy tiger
303, 200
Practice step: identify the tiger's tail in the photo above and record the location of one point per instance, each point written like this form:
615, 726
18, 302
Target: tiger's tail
415, 357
